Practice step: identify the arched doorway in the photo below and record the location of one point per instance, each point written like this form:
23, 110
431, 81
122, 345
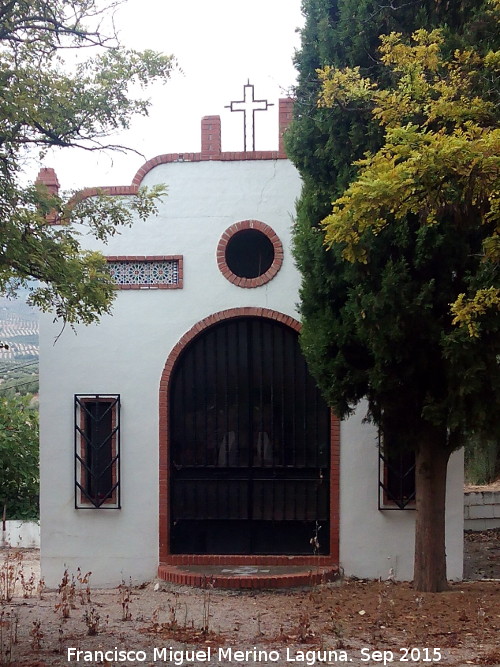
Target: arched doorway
249, 434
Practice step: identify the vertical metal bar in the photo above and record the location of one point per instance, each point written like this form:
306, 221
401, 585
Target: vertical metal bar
118, 450
217, 391
205, 402
195, 402
270, 331
263, 428
306, 419
183, 425
250, 436
295, 361
266, 391
242, 381
272, 364
222, 483
77, 440
316, 418
283, 331
225, 365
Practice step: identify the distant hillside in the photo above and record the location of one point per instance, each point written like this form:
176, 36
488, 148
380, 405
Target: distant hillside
18, 329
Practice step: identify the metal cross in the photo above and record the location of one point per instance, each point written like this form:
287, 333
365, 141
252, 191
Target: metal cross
247, 104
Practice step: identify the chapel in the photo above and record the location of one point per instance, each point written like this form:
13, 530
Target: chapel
184, 430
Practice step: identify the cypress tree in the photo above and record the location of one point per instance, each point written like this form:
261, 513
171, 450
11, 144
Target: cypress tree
381, 331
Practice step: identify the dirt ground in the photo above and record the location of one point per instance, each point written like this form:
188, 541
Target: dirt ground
359, 622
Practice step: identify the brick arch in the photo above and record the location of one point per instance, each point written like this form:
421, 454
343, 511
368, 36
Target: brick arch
267, 275
164, 451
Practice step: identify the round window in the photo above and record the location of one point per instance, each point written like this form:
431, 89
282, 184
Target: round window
249, 253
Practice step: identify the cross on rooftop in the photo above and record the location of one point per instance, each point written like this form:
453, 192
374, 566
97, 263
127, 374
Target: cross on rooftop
247, 104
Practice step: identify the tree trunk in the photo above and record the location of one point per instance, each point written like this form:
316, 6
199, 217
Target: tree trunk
431, 462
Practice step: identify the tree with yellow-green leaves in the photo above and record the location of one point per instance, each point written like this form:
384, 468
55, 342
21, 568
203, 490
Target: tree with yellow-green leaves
440, 157
400, 288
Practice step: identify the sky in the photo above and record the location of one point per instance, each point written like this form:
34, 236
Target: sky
219, 44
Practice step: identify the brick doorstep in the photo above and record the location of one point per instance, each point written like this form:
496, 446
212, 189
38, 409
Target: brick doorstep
273, 576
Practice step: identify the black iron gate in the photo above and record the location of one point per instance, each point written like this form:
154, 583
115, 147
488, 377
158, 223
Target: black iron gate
249, 463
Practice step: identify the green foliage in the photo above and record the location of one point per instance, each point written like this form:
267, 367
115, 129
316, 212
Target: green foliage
345, 33
439, 160
76, 285
42, 105
382, 328
18, 457
482, 460
19, 377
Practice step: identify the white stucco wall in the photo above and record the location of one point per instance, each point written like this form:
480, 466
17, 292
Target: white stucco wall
127, 351
126, 354
373, 541
20, 534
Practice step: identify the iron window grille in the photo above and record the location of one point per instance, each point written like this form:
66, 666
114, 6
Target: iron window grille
396, 480
97, 451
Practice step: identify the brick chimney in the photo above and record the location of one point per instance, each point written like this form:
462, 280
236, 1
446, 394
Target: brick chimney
48, 177
210, 137
285, 118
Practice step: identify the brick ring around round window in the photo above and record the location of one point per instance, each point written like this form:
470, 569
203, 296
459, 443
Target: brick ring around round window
249, 253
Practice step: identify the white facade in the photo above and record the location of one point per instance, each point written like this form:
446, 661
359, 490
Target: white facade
373, 542
126, 354
20, 534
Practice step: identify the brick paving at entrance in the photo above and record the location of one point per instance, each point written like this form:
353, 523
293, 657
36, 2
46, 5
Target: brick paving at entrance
247, 576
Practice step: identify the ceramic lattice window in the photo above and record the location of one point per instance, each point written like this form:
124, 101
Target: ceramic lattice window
163, 272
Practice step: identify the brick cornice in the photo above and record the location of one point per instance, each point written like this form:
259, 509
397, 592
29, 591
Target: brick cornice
111, 190
210, 151
168, 158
